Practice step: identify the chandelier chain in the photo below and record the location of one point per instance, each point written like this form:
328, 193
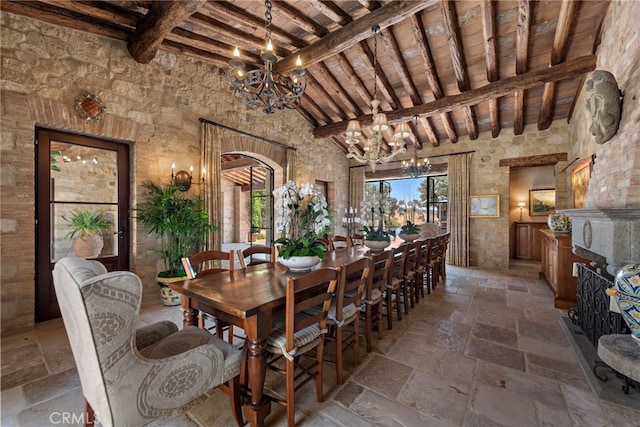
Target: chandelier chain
376, 30
267, 19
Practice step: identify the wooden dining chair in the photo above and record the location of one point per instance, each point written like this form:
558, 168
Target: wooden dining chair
410, 272
341, 241
327, 241
299, 332
209, 262
357, 239
256, 254
422, 267
394, 295
344, 313
373, 294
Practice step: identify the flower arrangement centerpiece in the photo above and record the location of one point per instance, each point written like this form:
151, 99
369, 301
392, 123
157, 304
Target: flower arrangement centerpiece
301, 216
373, 208
410, 232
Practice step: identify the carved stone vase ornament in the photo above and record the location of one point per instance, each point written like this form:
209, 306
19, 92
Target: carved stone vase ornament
604, 104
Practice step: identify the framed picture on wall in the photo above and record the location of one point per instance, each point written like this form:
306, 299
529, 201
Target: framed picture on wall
485, 206
580, 176
542, 202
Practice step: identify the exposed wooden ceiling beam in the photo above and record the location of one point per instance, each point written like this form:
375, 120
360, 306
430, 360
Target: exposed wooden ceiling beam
353, 33
382, 84
299, 19
325, 95
540, 160
459, 63
558, 53
491, 63
523, 30
431, 74
353, 110
332, 11
355, 82
436, 169
567, 70
159, 21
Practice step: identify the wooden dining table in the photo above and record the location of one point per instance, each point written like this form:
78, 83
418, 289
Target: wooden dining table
254, 299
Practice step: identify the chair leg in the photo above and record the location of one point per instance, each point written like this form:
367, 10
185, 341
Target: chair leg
389, 297
379, 322
291, 406
339, 349
356, 342
318, 378
367, 328
236, 399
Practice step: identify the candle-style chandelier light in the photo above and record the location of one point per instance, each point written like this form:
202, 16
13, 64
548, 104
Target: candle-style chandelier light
373, 147
415, 167
263, 87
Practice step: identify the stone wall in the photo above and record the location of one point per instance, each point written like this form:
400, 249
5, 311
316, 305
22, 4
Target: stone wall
153, 107
615, 180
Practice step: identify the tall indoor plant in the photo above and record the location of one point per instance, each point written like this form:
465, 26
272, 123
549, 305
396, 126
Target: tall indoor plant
373, 209
301, 216
181, 223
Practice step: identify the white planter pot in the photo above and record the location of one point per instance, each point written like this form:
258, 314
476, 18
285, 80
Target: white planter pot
169, 296
300, 263
409, 237
376, 245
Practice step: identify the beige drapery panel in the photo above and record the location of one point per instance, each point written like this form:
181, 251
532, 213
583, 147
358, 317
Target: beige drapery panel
356, 187
210, 146
458, 219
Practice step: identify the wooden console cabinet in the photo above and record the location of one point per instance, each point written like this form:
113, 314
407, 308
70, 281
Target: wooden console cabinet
529, 240
557, 267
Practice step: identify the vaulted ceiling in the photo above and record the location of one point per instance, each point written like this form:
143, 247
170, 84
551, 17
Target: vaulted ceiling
460, 67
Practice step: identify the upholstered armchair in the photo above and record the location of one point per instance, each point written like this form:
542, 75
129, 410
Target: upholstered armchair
131, 377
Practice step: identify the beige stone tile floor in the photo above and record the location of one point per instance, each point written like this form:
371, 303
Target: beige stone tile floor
486, 348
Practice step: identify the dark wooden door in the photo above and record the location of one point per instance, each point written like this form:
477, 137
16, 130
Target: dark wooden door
76, 172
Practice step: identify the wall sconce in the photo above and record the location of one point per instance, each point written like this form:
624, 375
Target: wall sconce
521, 205
183, 179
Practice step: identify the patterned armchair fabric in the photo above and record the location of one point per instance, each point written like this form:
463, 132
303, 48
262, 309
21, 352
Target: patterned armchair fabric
131, 377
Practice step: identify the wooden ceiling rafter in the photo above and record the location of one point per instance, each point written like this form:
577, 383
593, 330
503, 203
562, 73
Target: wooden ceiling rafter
558, 53
299, 19
354, 78
159, 21
343, 95
312, 81
432, 76
523, 30
332, 11
490, 59
567, 70
459, 62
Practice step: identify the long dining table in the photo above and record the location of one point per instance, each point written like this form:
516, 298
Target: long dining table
254, 299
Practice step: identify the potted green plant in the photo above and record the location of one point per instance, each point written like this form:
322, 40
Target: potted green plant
410, 232
375, 238
87, 228
181, 223
301, 216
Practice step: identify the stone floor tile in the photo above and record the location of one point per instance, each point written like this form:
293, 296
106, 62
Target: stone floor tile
477, 420
384, 376
24, 375
441, 398
12, 403
545, 348
348, 393
502, 406
548, 331
333, 414
378, 410
502, 319
569, 366
494, 353
463, 317
584, 408
67, 406
561, 377
496, 334
48, 387
621, 416
450, 335
551, 416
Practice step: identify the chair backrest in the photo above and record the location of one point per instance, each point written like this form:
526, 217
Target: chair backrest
256, 254
413, 255
355, 277
399, 261
208, 262
99, 311
302, 293
341, 242
425, 251
327, 241
379, 273
357, 239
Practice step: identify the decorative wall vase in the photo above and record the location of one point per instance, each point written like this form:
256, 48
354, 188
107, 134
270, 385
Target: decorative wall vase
627, 293
88, 246
300, 263
604, 104
376, 245
559, 223
409, 237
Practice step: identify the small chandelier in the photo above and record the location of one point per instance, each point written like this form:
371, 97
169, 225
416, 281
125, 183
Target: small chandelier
264, 87
373, 147
415, 167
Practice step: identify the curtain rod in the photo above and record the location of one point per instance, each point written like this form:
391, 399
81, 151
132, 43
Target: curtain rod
429, 157
279, 144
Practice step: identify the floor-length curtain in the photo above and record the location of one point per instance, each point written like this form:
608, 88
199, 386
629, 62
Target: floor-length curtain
458, 218
210, 146
290, 167
356, 187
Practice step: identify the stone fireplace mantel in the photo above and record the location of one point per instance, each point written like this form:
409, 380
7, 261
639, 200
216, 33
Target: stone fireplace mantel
611, 234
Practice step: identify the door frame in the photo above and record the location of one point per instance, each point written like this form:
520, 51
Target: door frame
46, 305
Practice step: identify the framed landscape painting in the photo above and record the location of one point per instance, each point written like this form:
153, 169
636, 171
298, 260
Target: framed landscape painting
542, 202
485, 206
580, 180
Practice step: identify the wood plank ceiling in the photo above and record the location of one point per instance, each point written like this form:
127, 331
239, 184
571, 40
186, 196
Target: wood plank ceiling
461, 67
